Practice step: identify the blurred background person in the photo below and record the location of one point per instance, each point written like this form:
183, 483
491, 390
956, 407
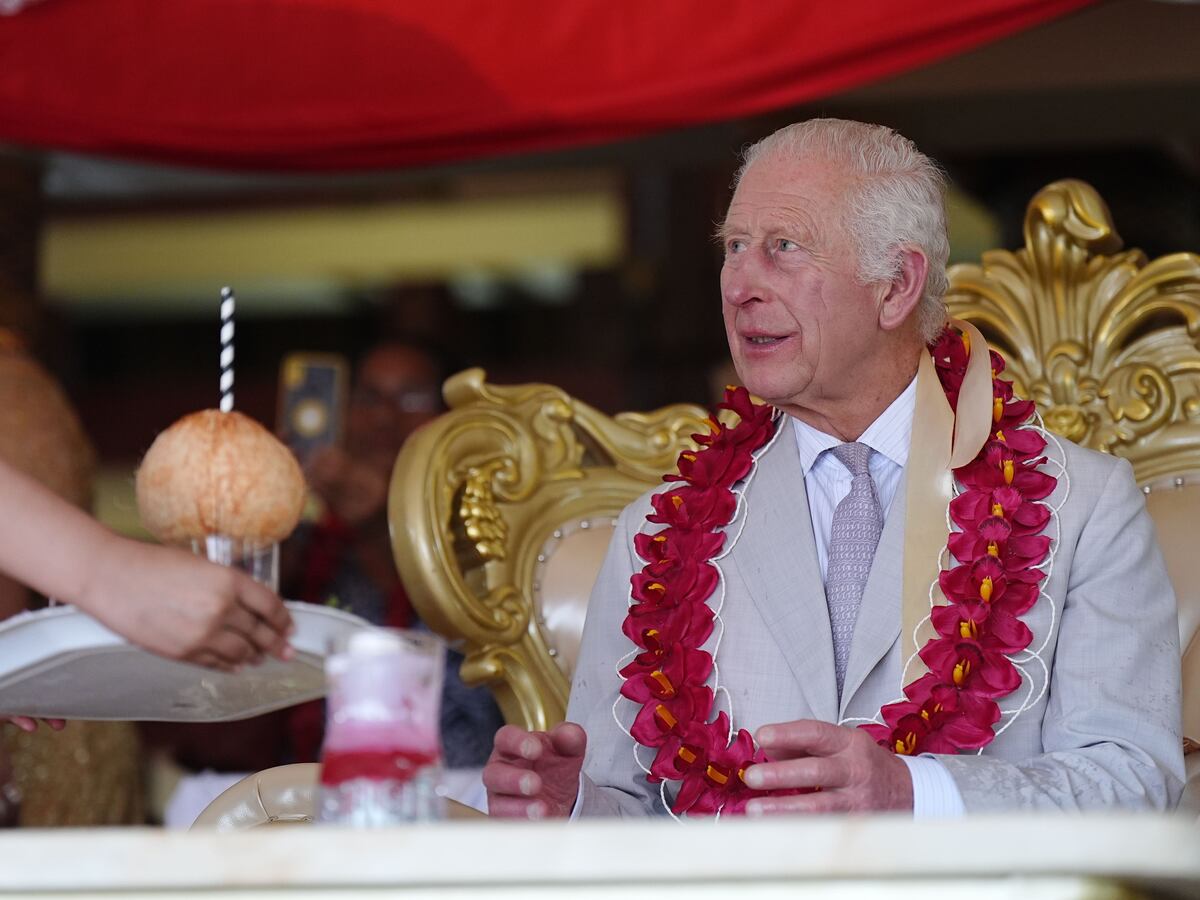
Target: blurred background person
345, 558
345, 555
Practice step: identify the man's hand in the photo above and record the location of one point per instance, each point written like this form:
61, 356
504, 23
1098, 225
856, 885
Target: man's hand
178, 605
854, 773
534, 774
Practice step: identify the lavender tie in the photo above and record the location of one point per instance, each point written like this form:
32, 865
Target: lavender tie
857, 524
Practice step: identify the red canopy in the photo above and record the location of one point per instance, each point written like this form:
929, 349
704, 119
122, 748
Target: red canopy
342, 84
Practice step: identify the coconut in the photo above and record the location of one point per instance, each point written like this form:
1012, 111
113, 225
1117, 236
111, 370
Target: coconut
218, 473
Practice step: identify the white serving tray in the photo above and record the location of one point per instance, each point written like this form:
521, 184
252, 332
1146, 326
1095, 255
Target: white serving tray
60, 663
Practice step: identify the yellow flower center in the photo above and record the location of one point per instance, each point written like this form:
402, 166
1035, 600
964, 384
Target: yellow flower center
985, 589
906, 745
664, 683
961, 671
666, 720
716, 775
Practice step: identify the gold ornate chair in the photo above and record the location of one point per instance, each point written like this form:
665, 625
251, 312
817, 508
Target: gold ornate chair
1107, 343
501, 511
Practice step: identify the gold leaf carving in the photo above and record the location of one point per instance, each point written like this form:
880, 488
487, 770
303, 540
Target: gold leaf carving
481, 517
1104, 341
477, 493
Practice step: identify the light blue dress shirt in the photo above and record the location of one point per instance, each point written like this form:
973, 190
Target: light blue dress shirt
827, 482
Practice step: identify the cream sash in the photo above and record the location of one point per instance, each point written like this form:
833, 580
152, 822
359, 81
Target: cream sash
941, 442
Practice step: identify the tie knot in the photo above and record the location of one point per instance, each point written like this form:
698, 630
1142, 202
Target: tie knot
853, 456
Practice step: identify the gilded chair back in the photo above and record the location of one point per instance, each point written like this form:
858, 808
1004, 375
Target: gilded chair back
1107, 343
501, 510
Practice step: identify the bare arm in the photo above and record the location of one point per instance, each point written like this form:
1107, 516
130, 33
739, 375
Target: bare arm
165, 600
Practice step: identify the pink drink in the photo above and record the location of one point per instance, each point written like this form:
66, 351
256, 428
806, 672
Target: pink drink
381, 761
338, 767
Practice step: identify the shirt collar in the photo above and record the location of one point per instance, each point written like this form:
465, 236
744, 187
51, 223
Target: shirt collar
888, 435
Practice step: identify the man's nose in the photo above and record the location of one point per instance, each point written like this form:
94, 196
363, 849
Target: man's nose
744, 283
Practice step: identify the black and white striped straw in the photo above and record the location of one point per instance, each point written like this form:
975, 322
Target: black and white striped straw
227, 303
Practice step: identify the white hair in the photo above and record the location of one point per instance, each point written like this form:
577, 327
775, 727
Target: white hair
899, 199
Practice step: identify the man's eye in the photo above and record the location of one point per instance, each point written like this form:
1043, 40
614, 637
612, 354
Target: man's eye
735, 245
788, 246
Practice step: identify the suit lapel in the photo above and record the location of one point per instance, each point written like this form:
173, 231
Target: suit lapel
878, 622
776, 561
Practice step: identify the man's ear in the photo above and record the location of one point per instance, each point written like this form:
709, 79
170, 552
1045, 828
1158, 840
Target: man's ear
903, 294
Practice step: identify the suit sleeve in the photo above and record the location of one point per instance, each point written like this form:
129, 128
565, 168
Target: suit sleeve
612, 783
1111, 731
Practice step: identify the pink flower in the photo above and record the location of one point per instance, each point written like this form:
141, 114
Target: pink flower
657, 630
689, 582
991, 625
1023, 441
936, 718
657, 722
993, 537
714, 467
1015, 414
693, 508
719, 783
756, 420
663, 679
686, 749
970, 667
676, 545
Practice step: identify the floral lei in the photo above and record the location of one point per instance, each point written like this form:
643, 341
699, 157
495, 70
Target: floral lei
951, 708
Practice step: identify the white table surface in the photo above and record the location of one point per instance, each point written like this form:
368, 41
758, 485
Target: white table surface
971, 859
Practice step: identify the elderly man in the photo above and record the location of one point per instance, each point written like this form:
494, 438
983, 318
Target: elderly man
747, 645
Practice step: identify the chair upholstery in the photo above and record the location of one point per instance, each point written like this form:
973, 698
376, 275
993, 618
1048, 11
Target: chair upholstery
501, 511
283, 795
1107, 343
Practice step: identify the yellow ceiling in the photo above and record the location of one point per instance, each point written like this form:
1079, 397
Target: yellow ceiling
181, 258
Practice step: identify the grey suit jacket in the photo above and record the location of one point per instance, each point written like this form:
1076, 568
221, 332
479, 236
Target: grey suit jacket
1102, 727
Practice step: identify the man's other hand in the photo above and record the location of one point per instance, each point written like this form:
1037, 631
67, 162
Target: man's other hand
534, 774
852, 772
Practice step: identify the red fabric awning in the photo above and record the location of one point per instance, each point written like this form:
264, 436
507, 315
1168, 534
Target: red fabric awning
347, 84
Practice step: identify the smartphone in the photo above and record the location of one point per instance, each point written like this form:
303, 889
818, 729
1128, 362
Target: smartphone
312, 401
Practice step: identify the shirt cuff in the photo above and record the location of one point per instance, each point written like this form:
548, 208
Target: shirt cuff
935, 795
575, 810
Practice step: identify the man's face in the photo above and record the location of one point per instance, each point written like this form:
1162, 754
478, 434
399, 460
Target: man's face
396, 392
797, 320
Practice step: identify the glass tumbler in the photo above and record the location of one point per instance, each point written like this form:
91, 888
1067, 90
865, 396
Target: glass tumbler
261, 561
381, 760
